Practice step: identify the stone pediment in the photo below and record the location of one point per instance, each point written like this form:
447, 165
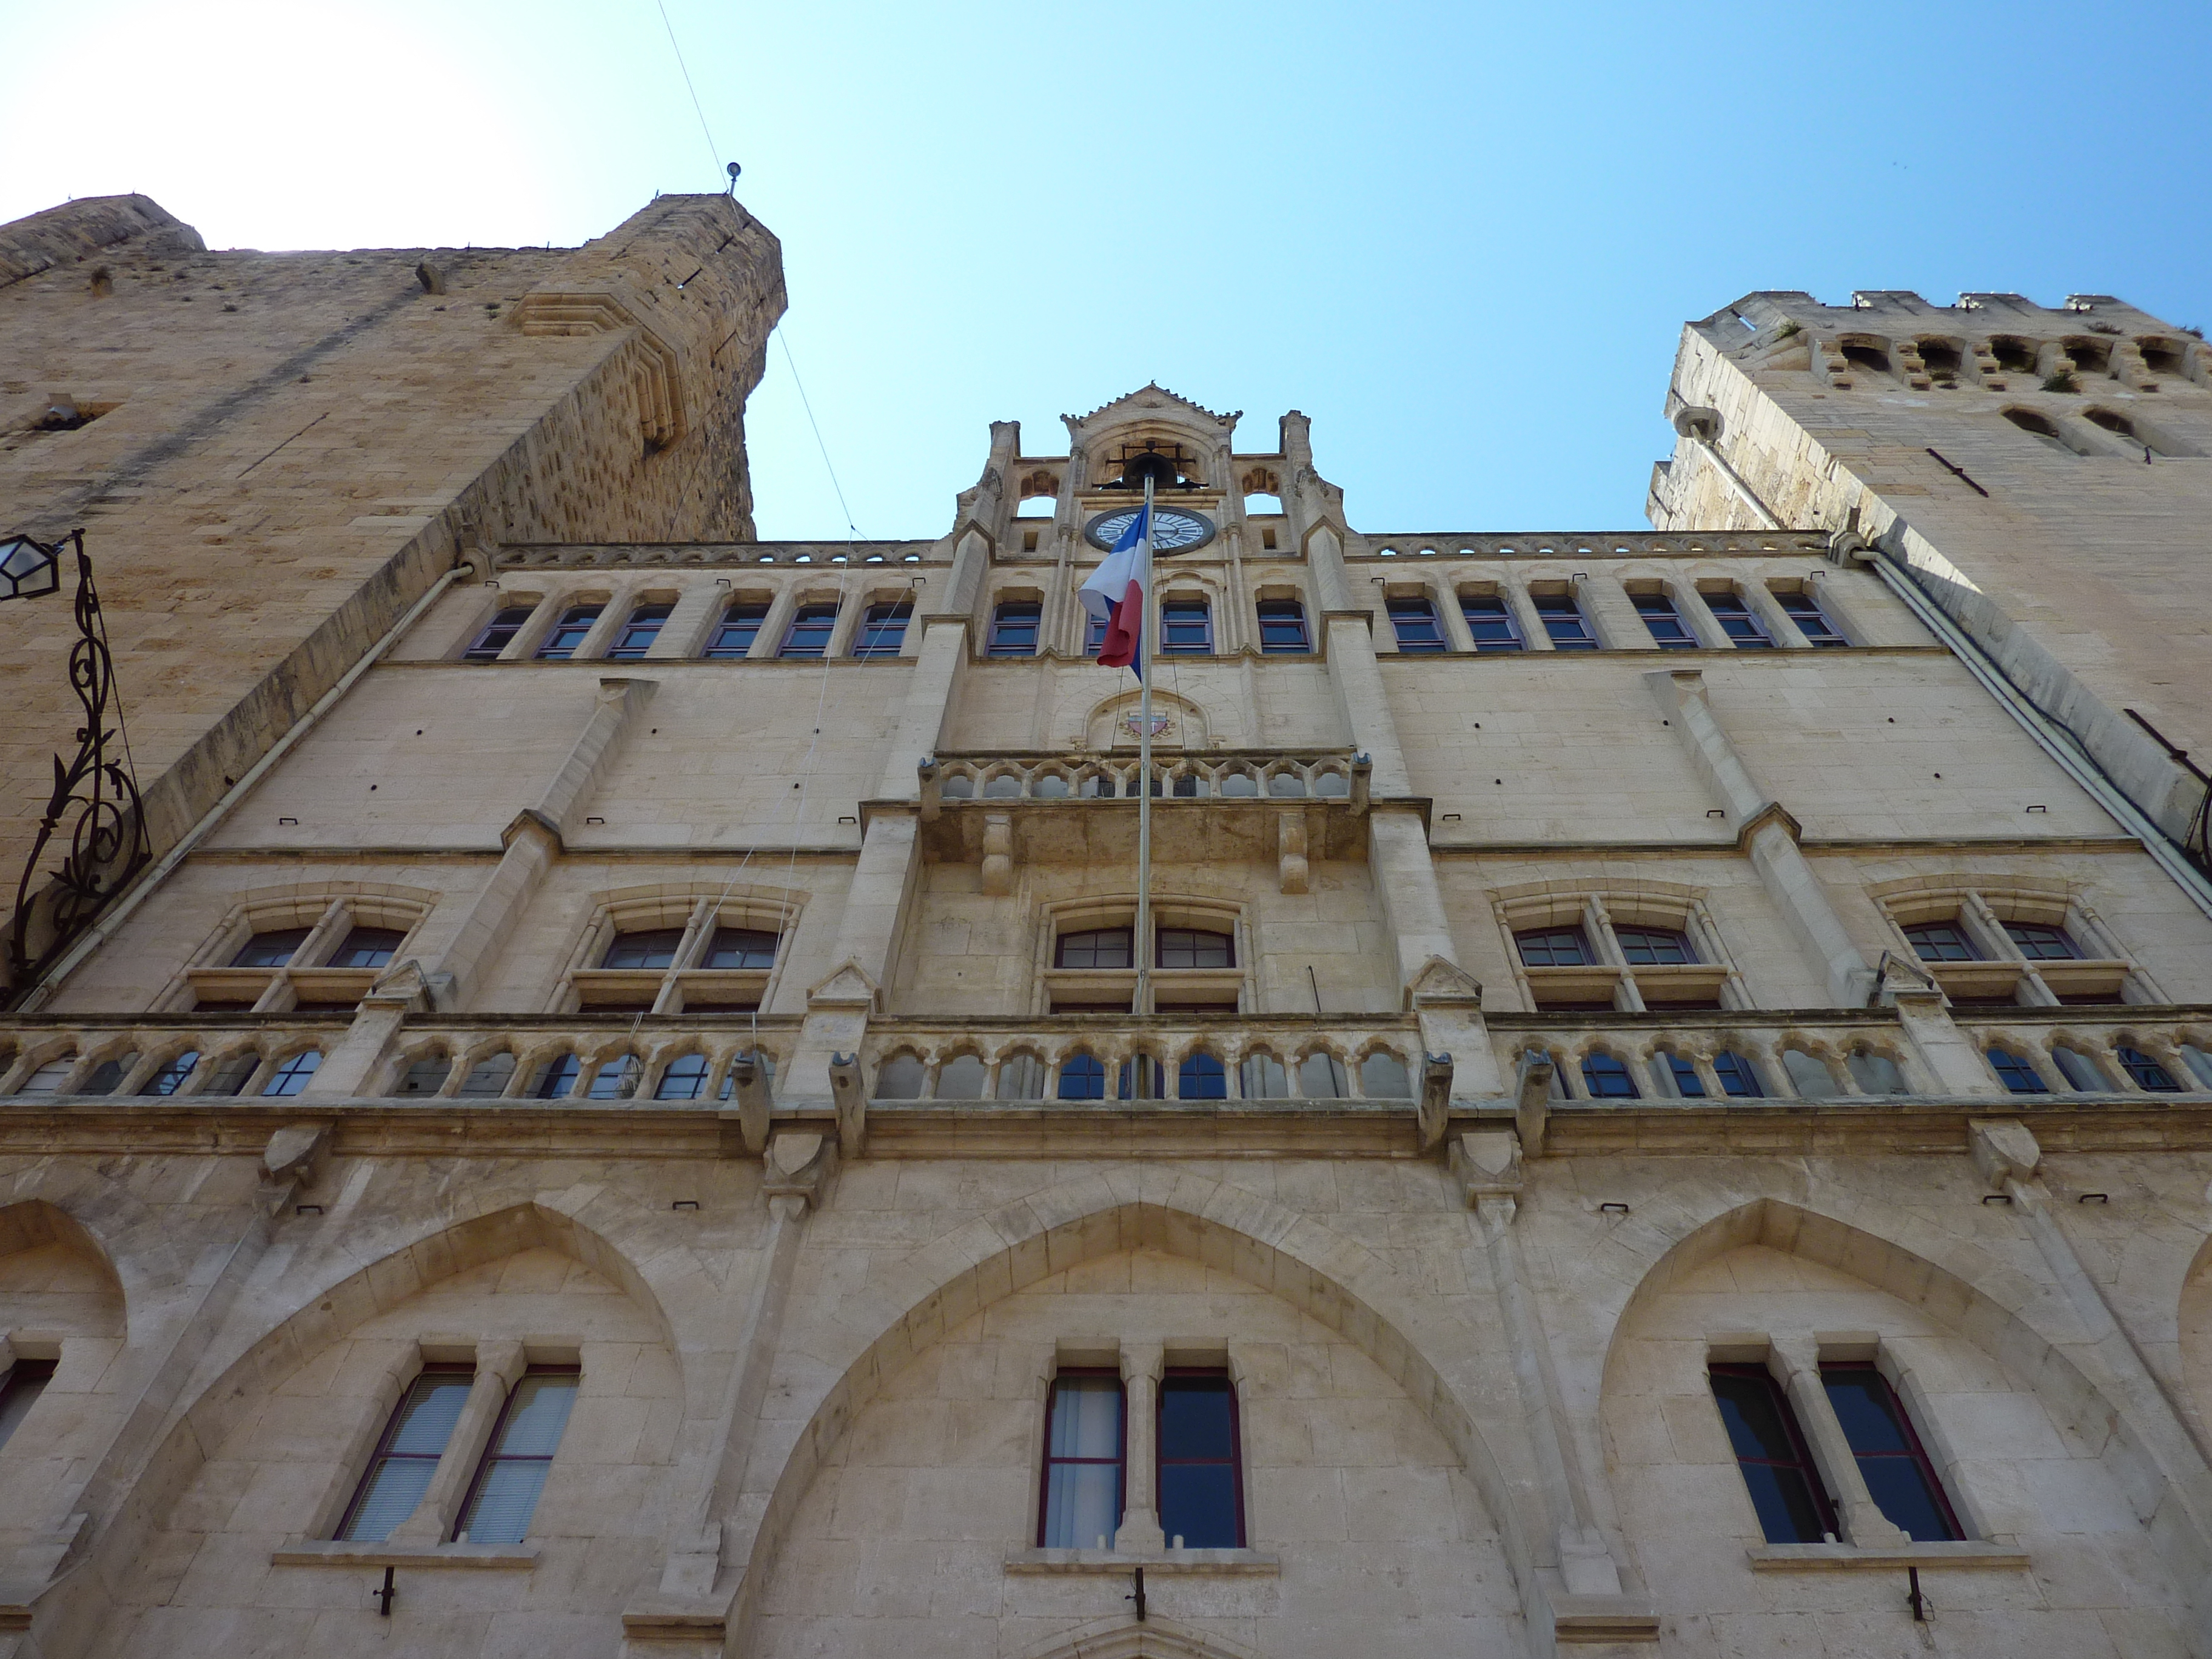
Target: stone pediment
1152, 411
1437, 980
848, 985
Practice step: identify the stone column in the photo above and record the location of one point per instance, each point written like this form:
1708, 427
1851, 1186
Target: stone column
1141, 1532
1796, 1361
1613, 618
1766, 834
681, 636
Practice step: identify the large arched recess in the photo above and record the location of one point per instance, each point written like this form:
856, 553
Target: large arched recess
2023, 1324
327, 1308
1332, 1279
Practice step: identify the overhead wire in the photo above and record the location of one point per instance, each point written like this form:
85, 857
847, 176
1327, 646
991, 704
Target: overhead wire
684, 68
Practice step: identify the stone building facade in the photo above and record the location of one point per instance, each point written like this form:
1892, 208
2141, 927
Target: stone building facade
630, 1135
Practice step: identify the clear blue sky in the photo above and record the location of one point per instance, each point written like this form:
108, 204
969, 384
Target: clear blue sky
1461, 238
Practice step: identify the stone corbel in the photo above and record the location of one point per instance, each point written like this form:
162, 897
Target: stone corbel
932, 803
798, 1165
851, 1102
291, 1162
756, 1103
1487, 1164
1433, 1115
2005, 1151
997, 875
1291, 869
1363, 776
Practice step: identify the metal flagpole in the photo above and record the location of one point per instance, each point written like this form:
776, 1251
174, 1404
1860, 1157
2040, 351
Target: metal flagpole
1141, 943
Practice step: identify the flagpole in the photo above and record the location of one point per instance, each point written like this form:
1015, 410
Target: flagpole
1142, 942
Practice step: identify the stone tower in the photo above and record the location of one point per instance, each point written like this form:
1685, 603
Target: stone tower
2042, 474
274, 456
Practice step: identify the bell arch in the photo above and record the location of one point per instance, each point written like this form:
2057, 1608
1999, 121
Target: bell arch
1332, 1279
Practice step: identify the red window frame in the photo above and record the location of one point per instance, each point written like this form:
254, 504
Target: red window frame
1120, 1460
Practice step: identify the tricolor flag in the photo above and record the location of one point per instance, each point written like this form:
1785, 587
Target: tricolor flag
1115, 594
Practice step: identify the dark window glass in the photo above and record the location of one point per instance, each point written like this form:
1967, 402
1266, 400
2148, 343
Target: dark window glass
169, 1076
740, 947
1201, 1077
1771, 1452
1942, 941
683, 1079
1490, 620
1186, 626
1668, 631
568, 633
498, 634
1564, 620
271, 949
515, 1463
1102, 947
1415, 622
1553, 947
639, 633
810, 630
27, 1381
651, 947
883, 630
734, 635
1081, 1502
2147, 1072
1737, 621
407, 1455
1738, 1078
1607, 1078
1687, 1083
1812, 622
1201, 1495
1094, 634
1653, 947
1014, 629
292, 1076
555, 1078
1193, 947
1282, 626
2015, 1073
2038, 943
1900, 1477
1082, 1077
368, 947
232, 1075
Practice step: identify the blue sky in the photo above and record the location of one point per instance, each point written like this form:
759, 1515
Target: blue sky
1461, 238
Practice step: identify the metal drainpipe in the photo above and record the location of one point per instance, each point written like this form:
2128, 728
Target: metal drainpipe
101, 930
2054, 742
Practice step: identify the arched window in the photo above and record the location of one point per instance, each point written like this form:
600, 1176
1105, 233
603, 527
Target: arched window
291, 1075
1201, 1077
1320, 1077
1563, 622
1021, 1077
639, 631
1414, 623
1875, 1073
568, 633
1649, 947
1193, 947
1607, 1078
272, 949
617, 1079
555, 1077
649, 947
685, 1077
1082, 1077
2145, 1073
1738, 1076
425, 1076
1808, 1076
1098, 947
169, 1076
488, 1079
1382, 1077
1667, 630
900, 1077
498, 634
367, 947
1492, 623
2082, 1073
1679, 1072
1734, 613
2016, 1073
961, 1078
1263, 1077
740, 947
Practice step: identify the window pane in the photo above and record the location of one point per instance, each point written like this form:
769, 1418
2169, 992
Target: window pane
568, 633
367, 947
1082, 1505
1562, 621
505, 1500
2015, 1073
1687, 1083
685, 1076
1103, 947
653, 947
1897, 1475
1737, 1075
1664, 621
271, 949
1082, 1499
1942, 941
498, 1511
1647, 947
883, 630
733, 636
1198, 1461
811, 628
1803, 610
2148, 1074
1737, 621
1083, 1077
1770, 1453
2080, 1072
1186, 625
170, 1076
1014, 629
292, 1076
1553, 947
536, 1412
1193, 947
2038, 943
498, 634
555, 1078
1201, 1077
1282, 626
1607, 1078
1415, 622
740, 947
414, 1440
1086, 1417
639, 633
1491, 620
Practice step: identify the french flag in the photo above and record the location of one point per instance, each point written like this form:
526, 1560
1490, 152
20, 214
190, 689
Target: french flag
1115, 594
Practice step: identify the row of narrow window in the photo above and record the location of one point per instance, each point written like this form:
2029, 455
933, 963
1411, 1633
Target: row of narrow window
1186, 626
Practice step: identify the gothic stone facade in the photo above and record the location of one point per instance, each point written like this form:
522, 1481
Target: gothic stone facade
684, 977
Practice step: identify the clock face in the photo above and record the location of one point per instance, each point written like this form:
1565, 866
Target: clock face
1173, 529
